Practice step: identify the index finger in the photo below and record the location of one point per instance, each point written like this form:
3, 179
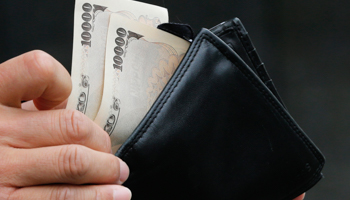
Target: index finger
34, 76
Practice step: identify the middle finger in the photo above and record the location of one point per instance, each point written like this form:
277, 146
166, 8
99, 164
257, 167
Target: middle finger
32, 129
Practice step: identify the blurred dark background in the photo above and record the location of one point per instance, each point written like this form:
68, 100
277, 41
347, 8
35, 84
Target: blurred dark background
305, 45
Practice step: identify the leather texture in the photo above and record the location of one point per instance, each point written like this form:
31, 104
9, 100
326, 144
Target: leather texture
219, 131
183, 31
233, 33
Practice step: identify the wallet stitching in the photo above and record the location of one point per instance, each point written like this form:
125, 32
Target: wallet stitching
260, 68
246, 42
275, 105
167, 95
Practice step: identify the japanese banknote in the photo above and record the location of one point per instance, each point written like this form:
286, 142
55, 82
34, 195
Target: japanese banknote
121, 62
90, 30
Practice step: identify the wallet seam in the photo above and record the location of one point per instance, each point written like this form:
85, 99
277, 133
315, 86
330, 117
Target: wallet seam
254, 56
238, 28
230, 30
245, 42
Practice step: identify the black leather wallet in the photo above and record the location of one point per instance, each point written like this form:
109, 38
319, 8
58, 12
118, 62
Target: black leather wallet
219, 130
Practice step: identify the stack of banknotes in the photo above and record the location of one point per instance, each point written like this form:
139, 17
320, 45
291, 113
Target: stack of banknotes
121, 62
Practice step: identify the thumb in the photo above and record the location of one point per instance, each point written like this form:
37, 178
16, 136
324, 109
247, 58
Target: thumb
34, 76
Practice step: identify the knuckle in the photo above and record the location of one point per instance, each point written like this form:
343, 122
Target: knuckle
39, 65
73, 162
97, 194
62, 193
74, 126
5, 127
67, 193
9, 168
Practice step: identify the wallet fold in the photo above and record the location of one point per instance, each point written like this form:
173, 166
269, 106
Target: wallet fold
233, 33
219, 130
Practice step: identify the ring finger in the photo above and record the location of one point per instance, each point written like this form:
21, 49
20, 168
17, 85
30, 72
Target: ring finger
32, 129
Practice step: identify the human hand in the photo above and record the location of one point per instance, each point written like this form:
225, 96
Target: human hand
48, 153
301, 197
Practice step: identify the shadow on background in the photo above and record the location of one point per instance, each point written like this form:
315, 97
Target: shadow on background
304, 43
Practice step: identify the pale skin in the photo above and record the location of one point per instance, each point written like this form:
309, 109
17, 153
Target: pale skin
48, 152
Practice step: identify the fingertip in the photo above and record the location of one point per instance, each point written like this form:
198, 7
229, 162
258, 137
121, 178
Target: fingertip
121, 193
37, 76
124, 172
56, 78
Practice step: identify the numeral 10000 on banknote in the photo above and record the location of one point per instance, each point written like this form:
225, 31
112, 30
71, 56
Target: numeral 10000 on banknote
86, 26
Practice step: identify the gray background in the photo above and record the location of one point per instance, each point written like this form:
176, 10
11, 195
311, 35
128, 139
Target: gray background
304, 44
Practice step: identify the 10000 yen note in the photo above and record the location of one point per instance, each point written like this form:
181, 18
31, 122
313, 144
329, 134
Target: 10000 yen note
90, 33
139, 61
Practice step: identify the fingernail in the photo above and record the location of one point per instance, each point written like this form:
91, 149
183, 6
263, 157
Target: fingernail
124, 172
122, 193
